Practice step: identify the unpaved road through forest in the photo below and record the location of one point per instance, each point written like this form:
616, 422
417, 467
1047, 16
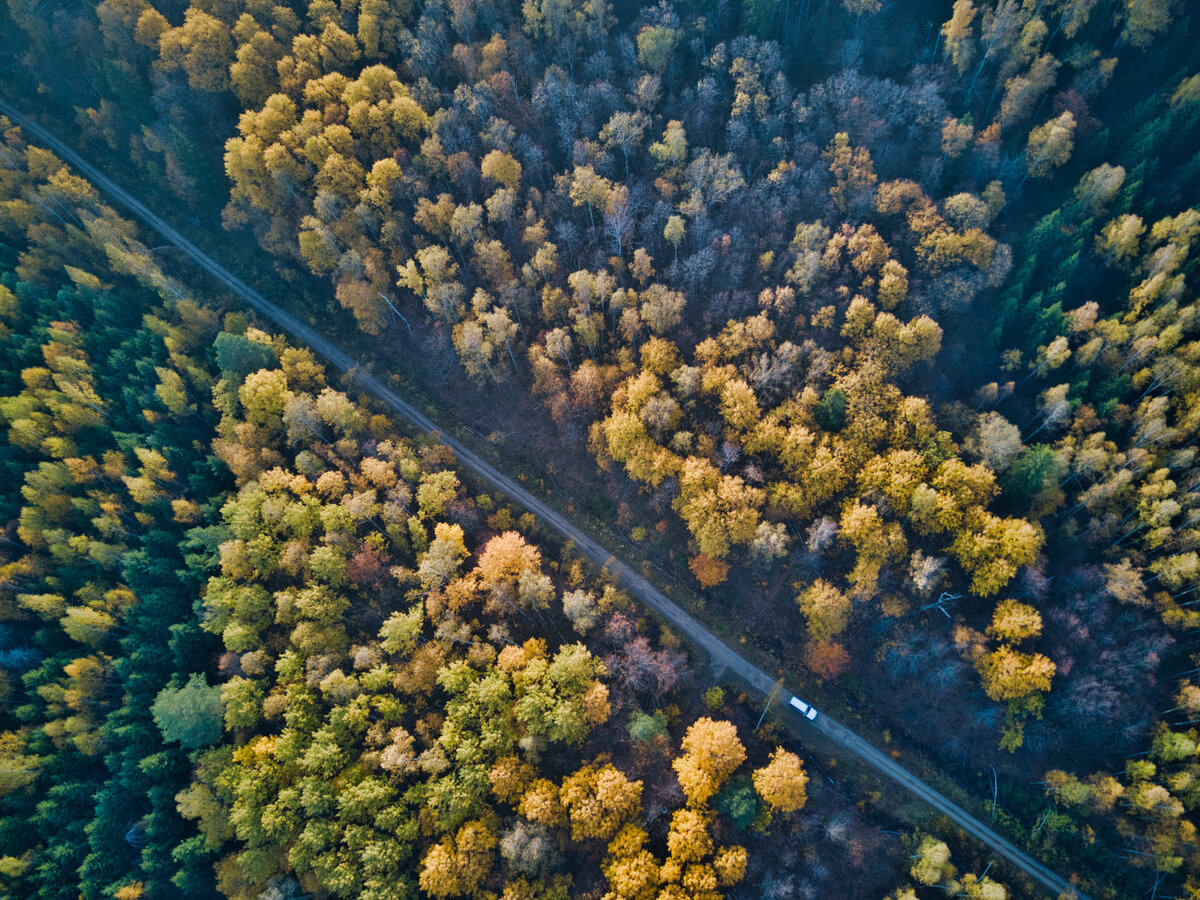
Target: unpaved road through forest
720, 655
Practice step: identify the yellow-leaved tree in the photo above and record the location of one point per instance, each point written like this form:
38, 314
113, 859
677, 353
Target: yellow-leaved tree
782, 782
711, 753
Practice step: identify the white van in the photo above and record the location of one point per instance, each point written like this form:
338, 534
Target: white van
807, 711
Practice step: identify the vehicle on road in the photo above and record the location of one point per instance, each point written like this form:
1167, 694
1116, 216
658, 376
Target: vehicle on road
807, 711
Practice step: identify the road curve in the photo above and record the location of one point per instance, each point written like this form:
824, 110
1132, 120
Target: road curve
720, 655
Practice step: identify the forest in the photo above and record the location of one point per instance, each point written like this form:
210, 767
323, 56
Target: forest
867, 329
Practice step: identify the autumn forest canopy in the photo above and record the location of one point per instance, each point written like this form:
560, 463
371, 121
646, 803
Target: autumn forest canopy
867, 329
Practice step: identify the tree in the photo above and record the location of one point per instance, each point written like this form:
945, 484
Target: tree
1033, 479
960, 40
711, 753
541, 804
673, 232
877, 543
529, 849
477, 354
688, 840
1009, 674
645, 727
431, 275
661, 308
86, 625
263, 394
1022, 93
631, 870
854, 174
709, 570
1050, 145
1098, 187
435, 492
893, 284
624, 132
966, 211
830, 412
501, 167
992, 552
580, 608
439, 875
1119, 239
193, 714
984, 888
1014, 621
730, 865
474, 845
505, 559
720, 510
826, 659
586, 188
770, 543
712, 179
560, 699
254, 74
203, 47
670, 153
599, 801
996, 441
956, 134
440, 562
738, 802
1123, 582
933, 862
238, 355
654, 46
781, 783
825, 608
1144, 20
